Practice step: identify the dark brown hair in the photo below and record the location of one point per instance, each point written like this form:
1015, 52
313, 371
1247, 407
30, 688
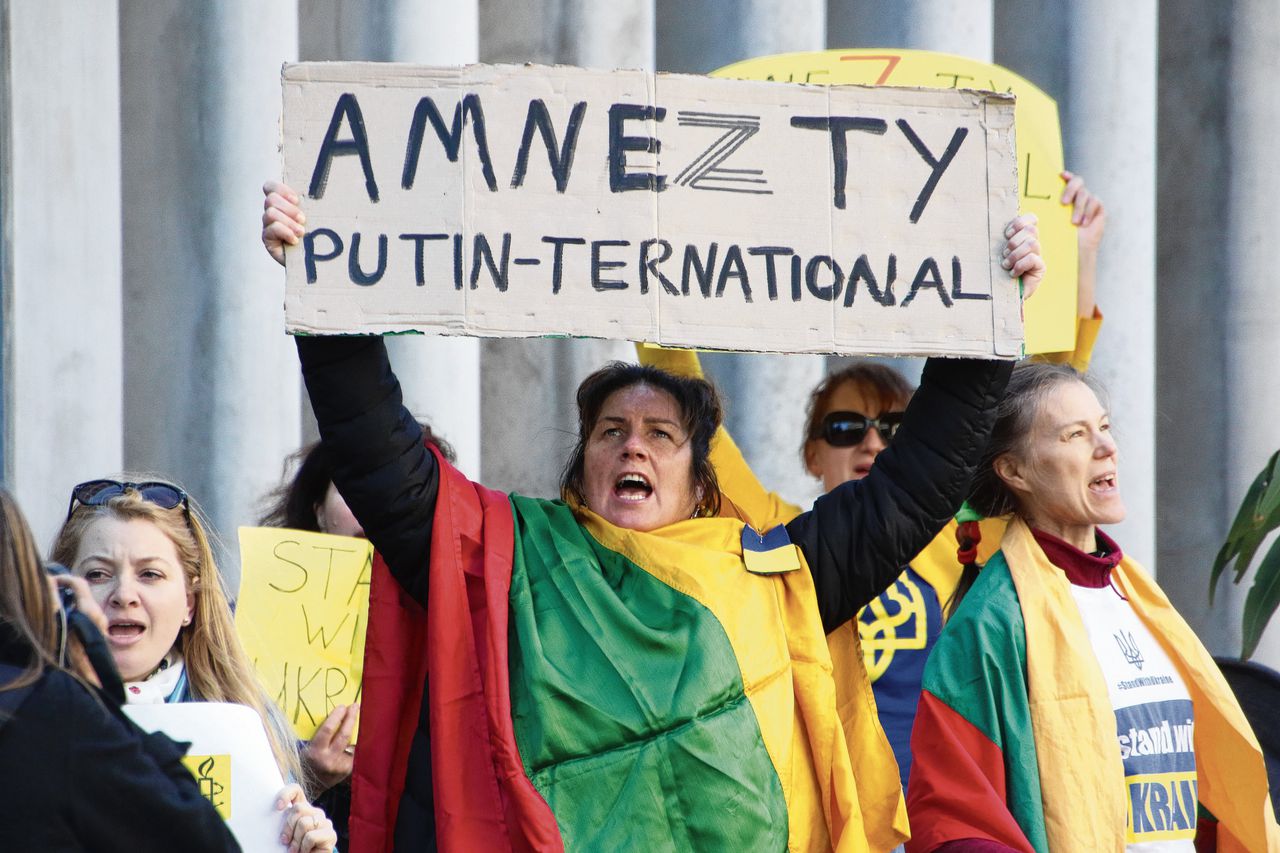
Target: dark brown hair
989, 495
293, 503
699, 408
888, 388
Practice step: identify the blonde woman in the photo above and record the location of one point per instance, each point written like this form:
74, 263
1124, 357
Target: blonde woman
144, 551
73, 769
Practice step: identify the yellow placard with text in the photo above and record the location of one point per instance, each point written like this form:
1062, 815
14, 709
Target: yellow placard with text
1050, 317
301, 613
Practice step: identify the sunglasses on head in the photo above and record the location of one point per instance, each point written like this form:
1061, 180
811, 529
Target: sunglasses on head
845, 429
98, 492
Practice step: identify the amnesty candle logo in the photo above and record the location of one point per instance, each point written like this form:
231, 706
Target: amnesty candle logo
1129, 648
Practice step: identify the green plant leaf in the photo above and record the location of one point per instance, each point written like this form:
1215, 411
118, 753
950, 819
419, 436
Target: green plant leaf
1261, 603
1269, 502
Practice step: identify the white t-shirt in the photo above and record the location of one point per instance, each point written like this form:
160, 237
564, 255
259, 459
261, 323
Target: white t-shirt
1154, 723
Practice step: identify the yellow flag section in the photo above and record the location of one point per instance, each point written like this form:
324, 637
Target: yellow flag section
301, 614
1050, 317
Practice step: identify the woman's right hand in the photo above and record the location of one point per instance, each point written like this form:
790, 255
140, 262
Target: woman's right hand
282, 220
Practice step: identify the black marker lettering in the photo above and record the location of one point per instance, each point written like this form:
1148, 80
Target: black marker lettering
598, 266
349, 108
770, 271
358, 275
467, 109
309, 255
482, 253
619, 144
649, 266
419, 252
938, 166
561, 161
928, 276
838, 126
557, 257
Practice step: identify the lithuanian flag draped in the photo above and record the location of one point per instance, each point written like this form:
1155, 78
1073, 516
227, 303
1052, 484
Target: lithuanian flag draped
1015, 737
594, 688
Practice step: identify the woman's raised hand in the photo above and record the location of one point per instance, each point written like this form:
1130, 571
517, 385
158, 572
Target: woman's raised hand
282, 220
306, 829
329, 755
1022, 253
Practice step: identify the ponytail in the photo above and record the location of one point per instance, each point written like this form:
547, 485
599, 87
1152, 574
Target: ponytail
968, 535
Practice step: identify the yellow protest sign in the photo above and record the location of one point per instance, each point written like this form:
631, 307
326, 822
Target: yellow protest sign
213, 775
301, 614
1050, 317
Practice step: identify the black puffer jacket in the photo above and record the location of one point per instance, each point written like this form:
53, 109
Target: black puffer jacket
856, 538
76, 775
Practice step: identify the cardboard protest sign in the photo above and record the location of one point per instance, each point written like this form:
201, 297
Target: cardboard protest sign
301, 614
678, 210
231, 760
1050, 317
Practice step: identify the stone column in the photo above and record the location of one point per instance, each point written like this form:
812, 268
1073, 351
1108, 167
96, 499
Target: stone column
765, 395
1111, 140
1099, 61
1195, 502
1250, 296
962, 27
60, 256
440, 376
211, 380
528, 410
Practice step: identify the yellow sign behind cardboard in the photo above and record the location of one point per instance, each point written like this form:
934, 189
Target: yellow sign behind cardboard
301, 614
1050, 316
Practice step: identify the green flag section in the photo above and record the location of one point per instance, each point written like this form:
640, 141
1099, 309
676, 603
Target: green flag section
598, 688
973, 726
628, 703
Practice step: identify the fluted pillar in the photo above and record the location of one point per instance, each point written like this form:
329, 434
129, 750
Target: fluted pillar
528, 410
765, 394
211, 381
962, 27
1249, 296
60, 259
440, 376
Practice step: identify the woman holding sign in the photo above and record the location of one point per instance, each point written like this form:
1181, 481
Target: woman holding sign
626, 668
143, 549
1067, 706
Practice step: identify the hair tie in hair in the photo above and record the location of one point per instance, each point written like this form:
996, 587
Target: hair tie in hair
968, 534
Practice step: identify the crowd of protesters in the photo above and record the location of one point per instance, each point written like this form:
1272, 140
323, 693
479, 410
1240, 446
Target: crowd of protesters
666, 655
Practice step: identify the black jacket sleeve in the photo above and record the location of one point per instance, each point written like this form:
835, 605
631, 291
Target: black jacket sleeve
858, 536
382, 470
125, 790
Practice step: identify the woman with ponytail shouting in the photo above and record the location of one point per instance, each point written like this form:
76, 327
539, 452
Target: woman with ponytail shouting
1067, 706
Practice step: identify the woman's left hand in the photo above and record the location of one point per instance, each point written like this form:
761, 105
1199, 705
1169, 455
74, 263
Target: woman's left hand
1022, 253
306, 828
329, 755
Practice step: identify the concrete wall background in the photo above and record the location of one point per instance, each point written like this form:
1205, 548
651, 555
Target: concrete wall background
127, 343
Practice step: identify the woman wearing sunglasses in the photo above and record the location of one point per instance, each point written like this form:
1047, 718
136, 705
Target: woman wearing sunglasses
144, 552
853, 415
73, 769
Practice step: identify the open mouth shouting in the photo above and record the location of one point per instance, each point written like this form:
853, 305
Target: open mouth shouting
124, 632
632, 486
1106, 484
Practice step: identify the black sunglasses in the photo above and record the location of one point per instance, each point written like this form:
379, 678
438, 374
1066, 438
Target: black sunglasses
98, 492
845, 429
